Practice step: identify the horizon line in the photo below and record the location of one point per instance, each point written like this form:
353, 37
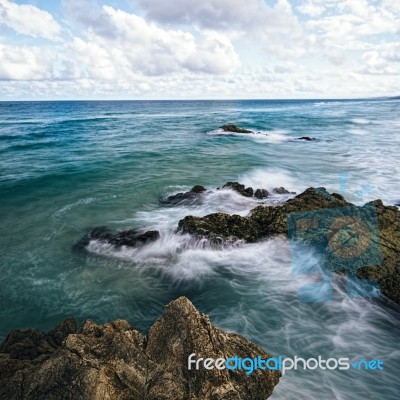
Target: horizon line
210, 99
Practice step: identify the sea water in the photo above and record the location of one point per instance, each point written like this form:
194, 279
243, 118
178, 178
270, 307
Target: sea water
66, 167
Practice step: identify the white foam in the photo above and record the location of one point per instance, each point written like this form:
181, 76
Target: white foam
360, 121
263, 136
269, 178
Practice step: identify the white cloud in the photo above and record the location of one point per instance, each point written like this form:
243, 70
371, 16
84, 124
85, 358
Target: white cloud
208, 49
140, 47
24, 63
275, 27
28, 20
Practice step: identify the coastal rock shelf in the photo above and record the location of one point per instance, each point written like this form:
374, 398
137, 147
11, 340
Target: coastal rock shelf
373, 225
116, 361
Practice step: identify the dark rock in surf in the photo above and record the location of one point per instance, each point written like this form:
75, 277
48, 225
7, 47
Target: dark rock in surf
307, 138
116, 361
261, 194
282, 190
181, 198
241, 189
234, 129
129, 237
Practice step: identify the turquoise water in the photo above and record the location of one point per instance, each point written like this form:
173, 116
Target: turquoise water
66, 167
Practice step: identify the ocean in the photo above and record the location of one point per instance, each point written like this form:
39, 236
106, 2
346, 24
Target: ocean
67, 167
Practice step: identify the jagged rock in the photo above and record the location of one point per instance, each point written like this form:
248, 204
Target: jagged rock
307, 138
180, 198
371, 225
116, 361
234, 128
241, 189
261, 193
129, 237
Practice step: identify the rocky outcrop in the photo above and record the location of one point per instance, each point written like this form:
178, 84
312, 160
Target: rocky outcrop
234, 129
129, 237
349, 236
263, 221
181, 198
115, 361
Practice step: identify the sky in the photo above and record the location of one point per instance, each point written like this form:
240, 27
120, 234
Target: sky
199, 49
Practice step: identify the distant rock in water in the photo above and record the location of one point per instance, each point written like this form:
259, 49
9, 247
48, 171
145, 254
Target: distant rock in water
116, 361
307, 138
234, 129
193, 195
129, 237
370, 225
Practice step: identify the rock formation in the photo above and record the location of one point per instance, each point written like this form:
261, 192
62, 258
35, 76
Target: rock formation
364, 241
181, 198
234, 129
115, 361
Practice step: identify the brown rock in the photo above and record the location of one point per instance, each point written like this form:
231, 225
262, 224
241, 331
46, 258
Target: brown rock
115, 361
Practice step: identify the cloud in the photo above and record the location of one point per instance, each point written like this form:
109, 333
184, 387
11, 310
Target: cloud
202, 49
141, 47
28, 20
24, 63
254, 18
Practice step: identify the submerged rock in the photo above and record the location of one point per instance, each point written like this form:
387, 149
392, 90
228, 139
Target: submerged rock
234, 129
129, 237
116, 361
347, 235
180, 198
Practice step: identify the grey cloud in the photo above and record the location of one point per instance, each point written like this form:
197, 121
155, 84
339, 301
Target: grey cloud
90, 15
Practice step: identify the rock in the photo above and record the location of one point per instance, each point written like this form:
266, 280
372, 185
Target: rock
194, 195
221, 226
241, 189
198, 189
369, 226
282, 190
116, 361
261, 193
307, 138
129, 237
234, 129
